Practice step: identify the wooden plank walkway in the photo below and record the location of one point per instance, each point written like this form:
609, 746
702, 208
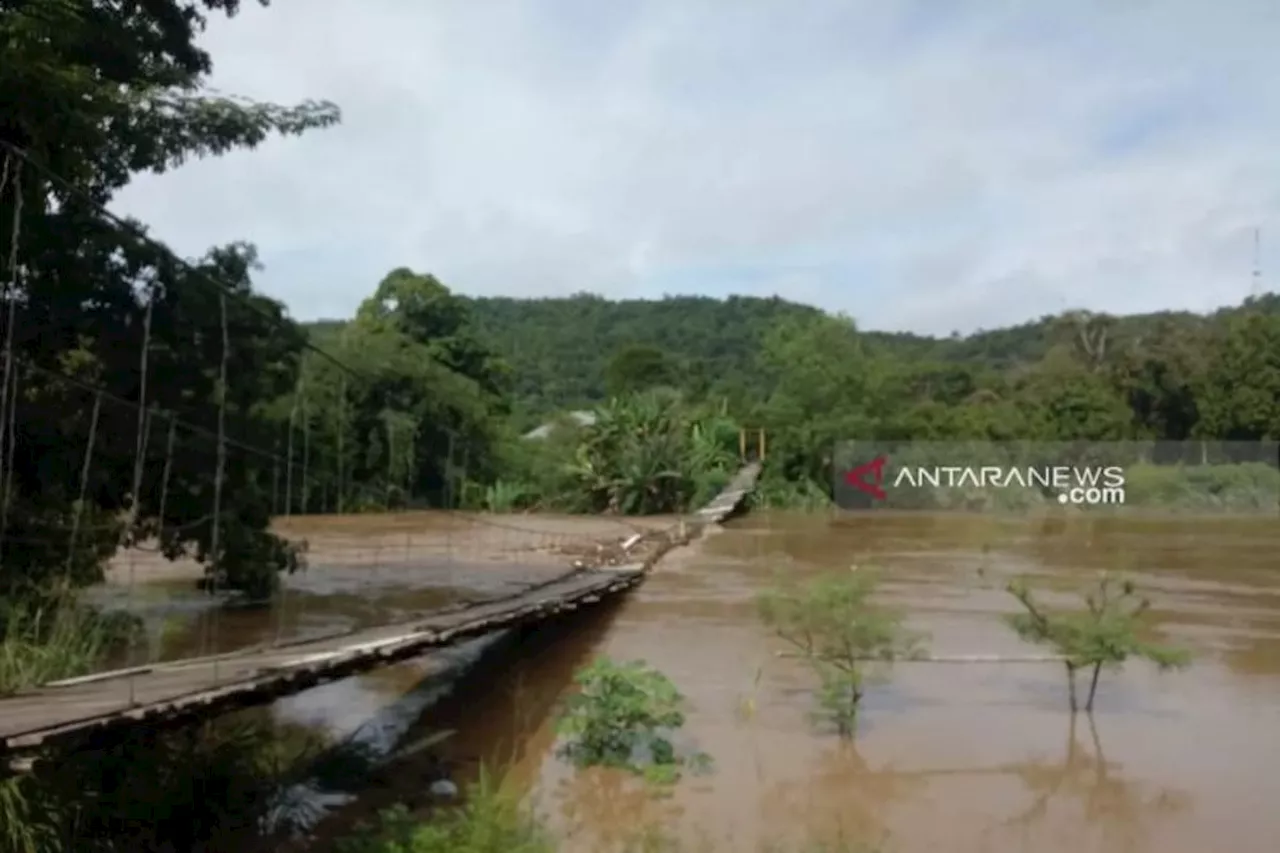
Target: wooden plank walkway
72, 712
206, 686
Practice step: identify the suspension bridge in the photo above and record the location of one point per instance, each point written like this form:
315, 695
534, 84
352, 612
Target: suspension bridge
158, 412
74, 711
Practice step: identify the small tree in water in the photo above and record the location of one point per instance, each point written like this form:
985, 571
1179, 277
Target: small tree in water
1104, 634
622, 716
832, 623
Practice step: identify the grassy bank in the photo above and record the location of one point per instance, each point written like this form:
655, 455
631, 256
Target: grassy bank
54, 638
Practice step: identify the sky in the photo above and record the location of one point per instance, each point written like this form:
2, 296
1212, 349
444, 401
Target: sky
921, 166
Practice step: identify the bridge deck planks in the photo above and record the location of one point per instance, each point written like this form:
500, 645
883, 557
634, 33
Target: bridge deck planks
38, 717
70, 713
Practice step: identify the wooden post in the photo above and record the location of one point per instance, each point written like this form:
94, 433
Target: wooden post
759, 443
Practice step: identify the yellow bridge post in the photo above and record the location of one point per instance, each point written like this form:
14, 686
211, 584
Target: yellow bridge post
759, 442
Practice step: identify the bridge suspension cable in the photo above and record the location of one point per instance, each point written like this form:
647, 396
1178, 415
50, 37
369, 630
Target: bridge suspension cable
83, 414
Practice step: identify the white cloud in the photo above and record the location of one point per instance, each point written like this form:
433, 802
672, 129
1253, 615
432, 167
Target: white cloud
925, 166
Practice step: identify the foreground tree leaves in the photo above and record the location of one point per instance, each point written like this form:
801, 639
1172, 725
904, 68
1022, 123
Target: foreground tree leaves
92, 93
98, 91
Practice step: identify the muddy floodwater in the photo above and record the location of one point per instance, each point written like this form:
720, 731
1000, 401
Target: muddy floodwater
362, 570
949, 757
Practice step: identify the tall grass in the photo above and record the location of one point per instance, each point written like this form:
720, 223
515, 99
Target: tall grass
48, 641
206, 787
492, 820
27, 824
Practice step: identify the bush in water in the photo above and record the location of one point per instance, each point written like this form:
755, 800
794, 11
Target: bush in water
1104, 634
833, 625
622, 716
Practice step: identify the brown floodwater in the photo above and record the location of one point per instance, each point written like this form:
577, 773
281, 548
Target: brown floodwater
954, 757
361, 571
963, 757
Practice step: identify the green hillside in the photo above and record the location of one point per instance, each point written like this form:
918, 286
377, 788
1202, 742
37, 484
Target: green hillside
559, 349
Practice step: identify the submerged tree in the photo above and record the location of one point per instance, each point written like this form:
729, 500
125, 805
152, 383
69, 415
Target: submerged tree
1104, 634
623, 716
835, 627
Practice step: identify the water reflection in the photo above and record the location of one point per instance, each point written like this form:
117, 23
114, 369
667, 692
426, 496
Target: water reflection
500, 724
841, 796
952, 757
605, 808
1110, 814
948, 761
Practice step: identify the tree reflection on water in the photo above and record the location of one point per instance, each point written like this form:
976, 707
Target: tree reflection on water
1117, 811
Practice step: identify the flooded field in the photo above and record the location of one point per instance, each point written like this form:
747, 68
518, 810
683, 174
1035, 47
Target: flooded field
954, 757
363, 570
968, 757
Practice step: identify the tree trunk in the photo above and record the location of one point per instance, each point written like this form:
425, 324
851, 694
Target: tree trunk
1071, 687
1093, 687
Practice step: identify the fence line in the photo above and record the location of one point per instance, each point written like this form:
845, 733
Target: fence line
1015, 658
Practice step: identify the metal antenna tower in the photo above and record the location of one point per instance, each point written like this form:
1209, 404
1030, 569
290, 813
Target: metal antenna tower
1256, 289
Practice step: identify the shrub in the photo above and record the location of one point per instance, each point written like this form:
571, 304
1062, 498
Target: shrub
1105, 633
491, 820
835, 627
622, 716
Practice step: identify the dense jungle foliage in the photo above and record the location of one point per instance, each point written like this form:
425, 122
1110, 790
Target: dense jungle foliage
127, 363
124, 366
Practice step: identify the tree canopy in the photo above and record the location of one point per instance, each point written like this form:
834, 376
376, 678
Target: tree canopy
165, 403
94, 93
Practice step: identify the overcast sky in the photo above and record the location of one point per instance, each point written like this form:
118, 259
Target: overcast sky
929, 166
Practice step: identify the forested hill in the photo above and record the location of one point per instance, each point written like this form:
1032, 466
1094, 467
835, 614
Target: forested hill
560, 349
